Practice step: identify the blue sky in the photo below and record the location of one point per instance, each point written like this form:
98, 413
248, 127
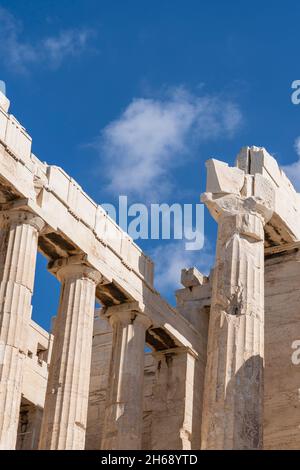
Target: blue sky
131, 97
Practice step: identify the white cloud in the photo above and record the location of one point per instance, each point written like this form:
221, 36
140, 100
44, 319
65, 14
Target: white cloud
19, 54
13, 51
68, 43
170, 258
293, 170
141, 147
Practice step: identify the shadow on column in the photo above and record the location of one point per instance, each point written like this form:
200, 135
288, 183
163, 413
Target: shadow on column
243, 425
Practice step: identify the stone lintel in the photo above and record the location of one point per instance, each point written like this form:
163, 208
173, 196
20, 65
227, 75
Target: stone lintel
176, 351
272, 250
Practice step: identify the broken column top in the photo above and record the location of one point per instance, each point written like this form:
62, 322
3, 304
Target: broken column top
257, 174
223, 179
191, 277
4, 101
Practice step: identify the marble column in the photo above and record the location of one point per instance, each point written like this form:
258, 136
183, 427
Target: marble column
65, 413
176, 395
18, 248
124, 405
233, 392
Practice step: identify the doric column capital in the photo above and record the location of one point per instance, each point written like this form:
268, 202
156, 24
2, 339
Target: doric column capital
229, 190
246, 216
74, 267
127, 313
232, 204
16, 217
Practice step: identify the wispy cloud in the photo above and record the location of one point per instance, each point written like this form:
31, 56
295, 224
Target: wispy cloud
293, 170
170, 258
19, 54
70, 43
141, 147
297, 146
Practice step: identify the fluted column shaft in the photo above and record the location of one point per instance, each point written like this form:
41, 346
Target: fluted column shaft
176, 396
18, 249
124, 405
65, 412
233, 397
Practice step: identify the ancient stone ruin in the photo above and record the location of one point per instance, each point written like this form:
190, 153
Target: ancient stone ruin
219, 374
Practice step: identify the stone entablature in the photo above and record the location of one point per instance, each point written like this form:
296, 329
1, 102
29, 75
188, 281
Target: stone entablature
77, 225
